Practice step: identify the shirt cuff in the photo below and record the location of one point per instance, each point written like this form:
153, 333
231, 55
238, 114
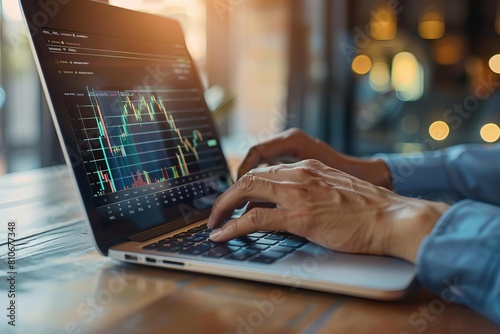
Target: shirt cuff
416, 174
459, 260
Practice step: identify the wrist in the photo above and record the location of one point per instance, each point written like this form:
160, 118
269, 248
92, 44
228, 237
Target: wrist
409, 227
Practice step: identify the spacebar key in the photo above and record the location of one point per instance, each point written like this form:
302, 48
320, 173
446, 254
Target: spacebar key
220, 251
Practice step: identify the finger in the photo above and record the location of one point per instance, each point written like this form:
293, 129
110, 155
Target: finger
253, 205
257, 219
281, 148
266, 173
248, 188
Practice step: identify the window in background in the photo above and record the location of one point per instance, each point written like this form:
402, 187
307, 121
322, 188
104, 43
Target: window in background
258, 77
20, 119
426, 74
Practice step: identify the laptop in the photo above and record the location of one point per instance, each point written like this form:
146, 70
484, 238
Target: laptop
146, 159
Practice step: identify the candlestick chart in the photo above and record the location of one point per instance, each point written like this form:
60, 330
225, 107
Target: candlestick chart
130, 139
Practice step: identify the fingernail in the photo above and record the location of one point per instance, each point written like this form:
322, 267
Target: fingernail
209, 221
215, 234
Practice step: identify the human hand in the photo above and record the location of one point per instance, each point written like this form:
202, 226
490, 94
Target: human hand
328, 207
294, 145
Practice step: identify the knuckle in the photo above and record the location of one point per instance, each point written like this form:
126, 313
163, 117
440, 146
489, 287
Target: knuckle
254, 218
246, 183
254, 150
233, 228
312, 163
303, 171
253, 153
294, 132
218, 201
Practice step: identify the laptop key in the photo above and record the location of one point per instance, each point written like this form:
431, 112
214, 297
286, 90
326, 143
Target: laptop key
196, 250
169, 249
257, 234
194, 238
266, 242
242, 254
297, 238
167, 240
283, 249
283, 234
237, 243
258, 247
203, 234
182, 243
267, 257
209, 243
182, 235
220, 251
275, 237
247, 240
273, 253
292, 243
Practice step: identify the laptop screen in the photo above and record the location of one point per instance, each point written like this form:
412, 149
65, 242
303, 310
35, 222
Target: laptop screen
131, 112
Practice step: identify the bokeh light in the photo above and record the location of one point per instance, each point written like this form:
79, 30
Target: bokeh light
383, 24
431, 25
439, 130
495, 63
362, 64
490, 133
380, 77
407, 77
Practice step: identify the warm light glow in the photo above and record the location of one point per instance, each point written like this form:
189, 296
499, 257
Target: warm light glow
495, 63
380, 77
431, 25
448, 50
11, 10
383, 24
439, 130
192, 15
362, 64
490, 133
407, 77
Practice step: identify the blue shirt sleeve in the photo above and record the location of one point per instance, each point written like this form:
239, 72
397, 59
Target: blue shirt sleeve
460, 172
460, 260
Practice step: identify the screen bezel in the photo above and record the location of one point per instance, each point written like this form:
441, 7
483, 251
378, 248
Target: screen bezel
91, 17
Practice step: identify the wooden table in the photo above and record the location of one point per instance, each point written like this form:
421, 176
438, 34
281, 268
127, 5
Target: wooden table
64, 286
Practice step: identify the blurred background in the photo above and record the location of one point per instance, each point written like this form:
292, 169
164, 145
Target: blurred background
366, 76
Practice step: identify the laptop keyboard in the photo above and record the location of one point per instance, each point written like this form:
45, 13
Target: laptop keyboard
258, 247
